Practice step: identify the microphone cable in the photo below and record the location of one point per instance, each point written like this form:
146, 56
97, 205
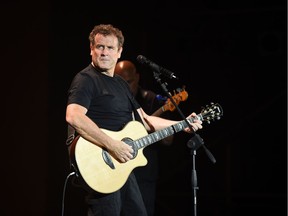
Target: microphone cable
64, 191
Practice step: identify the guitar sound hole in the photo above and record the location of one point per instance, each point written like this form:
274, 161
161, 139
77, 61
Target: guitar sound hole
129, 141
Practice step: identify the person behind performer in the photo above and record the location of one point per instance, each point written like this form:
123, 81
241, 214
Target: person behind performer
146, 175
98, 99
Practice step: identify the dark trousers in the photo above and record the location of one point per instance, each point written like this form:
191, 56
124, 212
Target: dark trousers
125, 202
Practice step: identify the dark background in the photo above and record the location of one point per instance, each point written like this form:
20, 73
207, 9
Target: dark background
229, 52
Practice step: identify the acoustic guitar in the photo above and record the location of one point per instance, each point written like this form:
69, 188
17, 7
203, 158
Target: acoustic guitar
105, 174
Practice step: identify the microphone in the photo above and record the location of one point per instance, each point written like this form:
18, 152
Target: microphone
155, 67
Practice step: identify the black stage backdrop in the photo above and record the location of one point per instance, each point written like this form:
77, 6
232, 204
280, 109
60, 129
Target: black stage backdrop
227, 52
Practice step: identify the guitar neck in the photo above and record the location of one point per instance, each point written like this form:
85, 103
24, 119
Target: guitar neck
161, 134
181, 96
159, 111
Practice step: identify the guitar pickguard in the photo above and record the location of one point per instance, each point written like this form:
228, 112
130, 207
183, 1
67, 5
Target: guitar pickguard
107, 158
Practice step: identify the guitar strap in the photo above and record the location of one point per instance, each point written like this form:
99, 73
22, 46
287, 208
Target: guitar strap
70, 135
134, 103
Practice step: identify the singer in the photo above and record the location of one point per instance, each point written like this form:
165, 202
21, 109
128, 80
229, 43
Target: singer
100, 108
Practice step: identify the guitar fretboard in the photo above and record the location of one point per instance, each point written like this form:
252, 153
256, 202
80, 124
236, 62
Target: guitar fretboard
161, 134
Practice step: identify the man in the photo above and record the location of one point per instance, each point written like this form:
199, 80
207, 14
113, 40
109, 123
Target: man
97, 100
147, 175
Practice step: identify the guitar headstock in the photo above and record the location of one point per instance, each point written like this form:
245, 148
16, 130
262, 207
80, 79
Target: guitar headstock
211, 112
182, 95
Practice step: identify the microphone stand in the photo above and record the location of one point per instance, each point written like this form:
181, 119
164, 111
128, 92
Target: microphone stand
194, 143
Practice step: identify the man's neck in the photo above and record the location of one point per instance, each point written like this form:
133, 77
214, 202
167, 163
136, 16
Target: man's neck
101, 71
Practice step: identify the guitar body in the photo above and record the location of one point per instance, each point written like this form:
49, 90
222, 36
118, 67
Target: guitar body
92, 166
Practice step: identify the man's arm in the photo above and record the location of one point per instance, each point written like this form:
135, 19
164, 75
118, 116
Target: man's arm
76, 117
155, 123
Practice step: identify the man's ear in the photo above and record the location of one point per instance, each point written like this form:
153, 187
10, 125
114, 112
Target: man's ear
120, 52
91, 47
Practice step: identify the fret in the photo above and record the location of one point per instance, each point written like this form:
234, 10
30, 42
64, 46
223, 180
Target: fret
150, 139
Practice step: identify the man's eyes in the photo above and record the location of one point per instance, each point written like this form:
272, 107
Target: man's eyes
103, 47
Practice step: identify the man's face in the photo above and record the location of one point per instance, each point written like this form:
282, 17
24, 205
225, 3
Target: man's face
105, 52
